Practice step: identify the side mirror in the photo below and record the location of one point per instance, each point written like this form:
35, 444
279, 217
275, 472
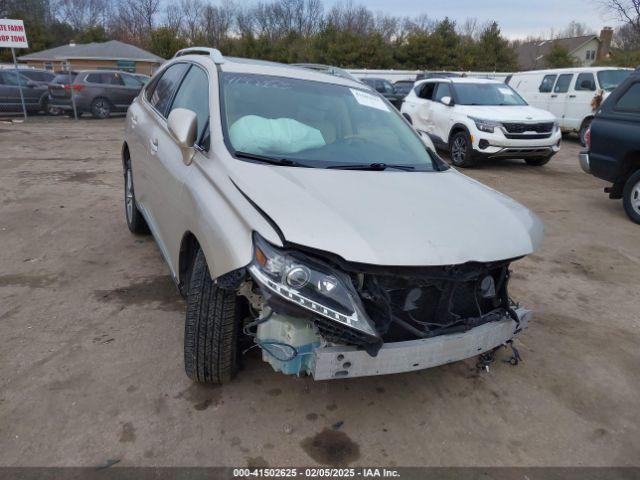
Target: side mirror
182, 124
448, 101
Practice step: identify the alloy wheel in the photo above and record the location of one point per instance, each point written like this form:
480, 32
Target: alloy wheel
128, 192
635, 198
459, 149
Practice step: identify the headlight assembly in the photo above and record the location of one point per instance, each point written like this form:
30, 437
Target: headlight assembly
313, 286
485, 125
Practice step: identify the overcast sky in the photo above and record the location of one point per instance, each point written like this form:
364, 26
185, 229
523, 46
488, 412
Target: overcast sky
517, 18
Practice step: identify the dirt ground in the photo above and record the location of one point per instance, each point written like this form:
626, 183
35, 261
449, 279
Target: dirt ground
91, 333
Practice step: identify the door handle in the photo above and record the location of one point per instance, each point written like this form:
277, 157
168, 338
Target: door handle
572, 96
153, 145
554, 95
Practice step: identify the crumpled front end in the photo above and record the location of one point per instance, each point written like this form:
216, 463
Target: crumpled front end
319, 315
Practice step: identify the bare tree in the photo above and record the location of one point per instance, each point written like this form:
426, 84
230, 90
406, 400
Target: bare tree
82, 14
626, 11
133, 20
217, 22
191, 12
348, 17
575, 29
627, 38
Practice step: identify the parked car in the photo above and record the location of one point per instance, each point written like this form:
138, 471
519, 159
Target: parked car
99, 92
43, 77
35, 94
613, 143
571, 94
430, 75
385, 88
476, 118
331, 70
290, 209
403, 87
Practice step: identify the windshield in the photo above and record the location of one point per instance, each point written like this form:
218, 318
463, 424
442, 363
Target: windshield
486, 94
610, 79
316, 124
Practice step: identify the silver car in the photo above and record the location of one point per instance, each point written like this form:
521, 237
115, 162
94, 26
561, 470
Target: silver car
300, 213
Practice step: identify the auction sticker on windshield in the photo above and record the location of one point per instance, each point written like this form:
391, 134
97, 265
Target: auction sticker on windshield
369, 100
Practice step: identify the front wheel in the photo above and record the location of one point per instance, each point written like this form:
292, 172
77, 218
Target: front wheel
537, 161
212, 326
135, 220
631, 197
461, 150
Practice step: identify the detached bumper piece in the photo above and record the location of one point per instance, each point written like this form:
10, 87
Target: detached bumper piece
397, 357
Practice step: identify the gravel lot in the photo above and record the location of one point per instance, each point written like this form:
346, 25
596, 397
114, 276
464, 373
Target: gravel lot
91, 339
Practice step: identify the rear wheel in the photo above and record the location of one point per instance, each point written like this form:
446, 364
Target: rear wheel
537, 161
461, 150
631, 197
100, 108
212, 326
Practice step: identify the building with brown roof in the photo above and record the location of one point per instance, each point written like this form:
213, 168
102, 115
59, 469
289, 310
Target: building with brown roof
585, 49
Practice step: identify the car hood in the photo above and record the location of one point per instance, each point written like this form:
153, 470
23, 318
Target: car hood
525, 113
390, 217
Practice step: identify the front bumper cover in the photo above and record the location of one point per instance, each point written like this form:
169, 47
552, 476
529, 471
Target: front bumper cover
347, 361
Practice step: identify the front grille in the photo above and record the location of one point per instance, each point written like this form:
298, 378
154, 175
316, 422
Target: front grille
527, 136
544, 127
438, 301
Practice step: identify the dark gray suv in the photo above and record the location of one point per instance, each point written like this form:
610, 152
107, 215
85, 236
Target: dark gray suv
99, 92
35, 93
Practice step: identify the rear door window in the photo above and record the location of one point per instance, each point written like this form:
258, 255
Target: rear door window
193, 95
562, 85
630, 100
586, 81
547, 83
160, 93
425, 90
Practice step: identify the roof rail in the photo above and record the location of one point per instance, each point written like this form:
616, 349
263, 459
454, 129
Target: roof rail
214, 53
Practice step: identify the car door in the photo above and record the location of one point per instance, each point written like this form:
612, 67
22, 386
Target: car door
559, 96
170, 170
578, 103
10, 95
418, 106
153, 191
545, 90
441, 114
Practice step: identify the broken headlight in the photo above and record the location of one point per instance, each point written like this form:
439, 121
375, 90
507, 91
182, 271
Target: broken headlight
309, 284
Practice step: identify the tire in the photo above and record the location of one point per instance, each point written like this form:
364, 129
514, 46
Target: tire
212, 326
135, 221
461, 150
631, 197
582, 133
101, 108
537, 161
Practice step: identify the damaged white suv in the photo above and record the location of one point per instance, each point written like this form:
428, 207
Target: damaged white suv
301, 213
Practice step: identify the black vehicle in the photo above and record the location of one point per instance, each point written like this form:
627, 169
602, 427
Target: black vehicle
428, 75
99, 92
403, 87
385, 88
613, 143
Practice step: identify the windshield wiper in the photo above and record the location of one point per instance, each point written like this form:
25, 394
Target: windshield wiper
286, 162
372, 166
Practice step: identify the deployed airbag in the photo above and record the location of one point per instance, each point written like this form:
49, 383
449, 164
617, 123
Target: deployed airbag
255, 134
